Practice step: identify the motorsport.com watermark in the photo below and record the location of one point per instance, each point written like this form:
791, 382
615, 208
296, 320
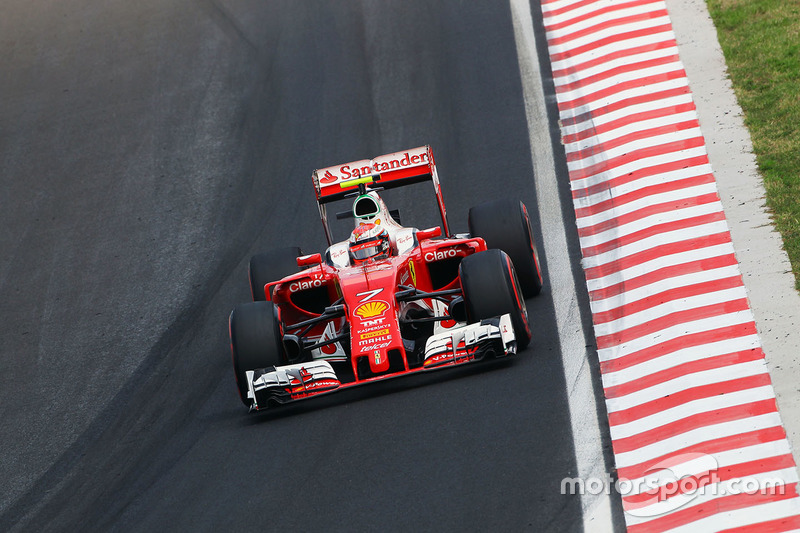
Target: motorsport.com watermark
666, 487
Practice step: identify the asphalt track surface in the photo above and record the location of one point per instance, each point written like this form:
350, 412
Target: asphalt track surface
147, 149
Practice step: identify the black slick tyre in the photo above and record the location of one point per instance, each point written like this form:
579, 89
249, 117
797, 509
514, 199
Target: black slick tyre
271, 266
255, 341
491, 288
504, 224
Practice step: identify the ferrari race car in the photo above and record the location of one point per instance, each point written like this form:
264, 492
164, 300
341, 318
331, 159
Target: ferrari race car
388, 301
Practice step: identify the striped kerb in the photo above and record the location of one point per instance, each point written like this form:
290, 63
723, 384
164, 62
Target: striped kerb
683, 371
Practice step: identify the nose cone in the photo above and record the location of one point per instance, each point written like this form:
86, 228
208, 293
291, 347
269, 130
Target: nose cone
374, 329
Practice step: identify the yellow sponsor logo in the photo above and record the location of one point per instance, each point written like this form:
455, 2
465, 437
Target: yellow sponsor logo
375, 333
371, 309
412, 272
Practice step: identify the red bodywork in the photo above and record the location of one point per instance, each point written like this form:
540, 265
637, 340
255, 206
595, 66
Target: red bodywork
371, 309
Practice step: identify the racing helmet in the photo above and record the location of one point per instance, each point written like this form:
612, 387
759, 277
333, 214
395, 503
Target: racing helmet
369, 241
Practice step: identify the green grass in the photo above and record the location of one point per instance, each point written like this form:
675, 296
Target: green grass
761, 43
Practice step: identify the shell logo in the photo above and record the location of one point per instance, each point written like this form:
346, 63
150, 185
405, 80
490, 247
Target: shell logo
371, 309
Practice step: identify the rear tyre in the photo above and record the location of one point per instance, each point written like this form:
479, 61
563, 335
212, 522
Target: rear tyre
271, 266
491, 288
505, 225
255, 341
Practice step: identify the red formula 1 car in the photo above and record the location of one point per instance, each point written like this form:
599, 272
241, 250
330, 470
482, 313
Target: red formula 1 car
388, 301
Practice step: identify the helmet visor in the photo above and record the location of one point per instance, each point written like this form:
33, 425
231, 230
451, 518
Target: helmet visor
368, 249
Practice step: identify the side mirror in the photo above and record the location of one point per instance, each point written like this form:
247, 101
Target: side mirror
429, 233
309, 260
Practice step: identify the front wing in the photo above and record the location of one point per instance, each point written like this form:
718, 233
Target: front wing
472, 342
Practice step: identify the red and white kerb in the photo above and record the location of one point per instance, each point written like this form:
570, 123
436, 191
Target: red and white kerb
683, 370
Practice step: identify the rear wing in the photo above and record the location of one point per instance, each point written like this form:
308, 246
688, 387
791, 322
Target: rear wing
387, 172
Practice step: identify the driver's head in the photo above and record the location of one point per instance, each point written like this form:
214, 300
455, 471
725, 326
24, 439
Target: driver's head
368, 241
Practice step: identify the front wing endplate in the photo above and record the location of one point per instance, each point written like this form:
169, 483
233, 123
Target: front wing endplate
291, 382
470, 342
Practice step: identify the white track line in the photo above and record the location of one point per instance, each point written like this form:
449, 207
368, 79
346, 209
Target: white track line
582, 407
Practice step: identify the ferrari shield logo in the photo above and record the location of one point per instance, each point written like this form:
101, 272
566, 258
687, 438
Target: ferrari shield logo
413, 272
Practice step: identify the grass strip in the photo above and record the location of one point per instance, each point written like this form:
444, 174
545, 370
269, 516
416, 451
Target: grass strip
761, 43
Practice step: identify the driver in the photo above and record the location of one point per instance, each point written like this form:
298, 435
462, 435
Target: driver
369, 241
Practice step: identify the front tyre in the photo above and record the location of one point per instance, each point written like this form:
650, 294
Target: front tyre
504, 224
255, 341
491, 288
